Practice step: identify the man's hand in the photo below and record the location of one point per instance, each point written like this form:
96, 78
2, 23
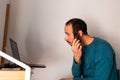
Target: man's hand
66, 79
77, 50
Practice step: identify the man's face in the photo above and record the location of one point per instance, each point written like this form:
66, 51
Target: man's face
69, 37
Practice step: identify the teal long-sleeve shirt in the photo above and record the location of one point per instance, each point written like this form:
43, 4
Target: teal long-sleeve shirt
97, 62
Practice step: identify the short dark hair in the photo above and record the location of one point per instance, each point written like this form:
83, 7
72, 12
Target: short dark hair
78, 24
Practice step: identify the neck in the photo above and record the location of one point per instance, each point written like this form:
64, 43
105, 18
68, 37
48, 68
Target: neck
86, 40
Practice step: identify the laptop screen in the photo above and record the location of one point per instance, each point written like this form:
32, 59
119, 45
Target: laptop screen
14, 49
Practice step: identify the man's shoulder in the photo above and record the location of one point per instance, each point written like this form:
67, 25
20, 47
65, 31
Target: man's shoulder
99, 41
104, 49
102, 44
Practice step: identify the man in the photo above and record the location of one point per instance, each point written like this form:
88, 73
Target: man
93, 58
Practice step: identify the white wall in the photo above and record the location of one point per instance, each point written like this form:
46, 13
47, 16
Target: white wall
2, 20
38, 28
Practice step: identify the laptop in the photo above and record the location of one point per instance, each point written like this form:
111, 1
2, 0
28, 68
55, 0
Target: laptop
15, 53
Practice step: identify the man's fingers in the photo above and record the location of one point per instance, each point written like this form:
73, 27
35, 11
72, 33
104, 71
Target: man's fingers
75, 42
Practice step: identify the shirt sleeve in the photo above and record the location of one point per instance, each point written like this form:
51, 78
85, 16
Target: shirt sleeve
76, 69
103, 65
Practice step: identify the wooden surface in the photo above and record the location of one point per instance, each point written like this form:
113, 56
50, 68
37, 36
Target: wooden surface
12, 75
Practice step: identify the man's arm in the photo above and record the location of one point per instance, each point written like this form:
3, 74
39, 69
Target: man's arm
102, 70
76, 69
103, 65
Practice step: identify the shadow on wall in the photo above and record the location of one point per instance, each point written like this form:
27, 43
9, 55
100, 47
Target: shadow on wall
38, 47
33, 45
14, 18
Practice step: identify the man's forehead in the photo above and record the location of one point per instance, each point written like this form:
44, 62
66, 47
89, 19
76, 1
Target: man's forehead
68, 27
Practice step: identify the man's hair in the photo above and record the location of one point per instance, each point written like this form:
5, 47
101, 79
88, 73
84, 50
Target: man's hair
77, 24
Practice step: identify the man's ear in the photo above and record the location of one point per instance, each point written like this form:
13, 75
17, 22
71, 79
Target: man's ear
80, 33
